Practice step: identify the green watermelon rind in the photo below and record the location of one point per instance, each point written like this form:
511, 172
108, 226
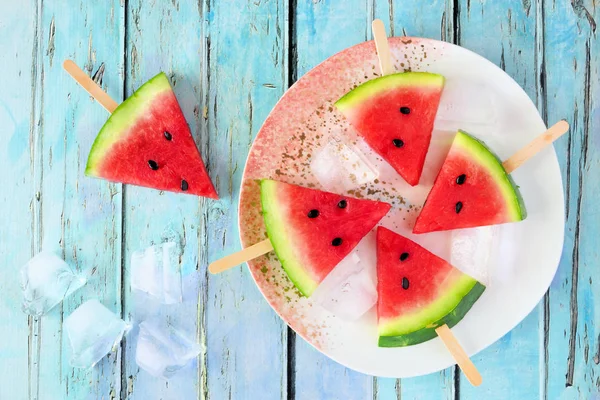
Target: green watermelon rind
371, 88
455, 290
389, 339
279, 236
479, 151
126, 114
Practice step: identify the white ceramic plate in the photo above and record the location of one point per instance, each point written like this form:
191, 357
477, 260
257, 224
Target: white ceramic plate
517, 262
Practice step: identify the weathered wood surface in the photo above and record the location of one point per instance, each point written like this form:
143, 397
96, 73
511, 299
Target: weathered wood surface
229, 62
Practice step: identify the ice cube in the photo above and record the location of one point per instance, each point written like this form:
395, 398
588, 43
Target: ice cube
467, 104
94, 331
471, 251
341, 166
157, 272
163, 350
46, 280
146, 271
349, 290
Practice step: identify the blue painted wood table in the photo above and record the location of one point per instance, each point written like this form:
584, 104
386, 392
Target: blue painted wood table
229, 62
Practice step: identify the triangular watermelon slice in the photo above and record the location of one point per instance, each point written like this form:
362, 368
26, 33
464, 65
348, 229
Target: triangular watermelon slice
395, 115
147, 142
472, 189
418, 291
312, 231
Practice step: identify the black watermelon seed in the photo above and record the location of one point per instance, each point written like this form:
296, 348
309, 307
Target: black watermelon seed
461, 179
405, 283
184, 185
398, 142
403, 256
342, 204
168, 136
336, 242
313, 213
405, 110
153, 165
458, 207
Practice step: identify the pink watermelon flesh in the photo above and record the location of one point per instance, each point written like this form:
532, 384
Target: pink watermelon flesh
418, 291
147, 142
472, 189
312, 231
395, 116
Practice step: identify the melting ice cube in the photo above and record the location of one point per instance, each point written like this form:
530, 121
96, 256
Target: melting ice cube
156, 271
46, 280
467, 104
163, 350
341, 166
93, 331
349, 290
472, 250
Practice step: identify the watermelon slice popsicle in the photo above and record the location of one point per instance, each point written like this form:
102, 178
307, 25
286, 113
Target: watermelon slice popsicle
395, 113
310, 230
146, 141
473, 187
421, 296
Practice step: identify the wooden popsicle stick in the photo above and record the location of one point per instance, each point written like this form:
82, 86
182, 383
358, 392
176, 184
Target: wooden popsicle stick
90, 86
240, 257
535, 146
383, 48
459, 355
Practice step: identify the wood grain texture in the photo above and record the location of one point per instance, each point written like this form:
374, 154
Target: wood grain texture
572, 89
70, 204
246, 70
19, 113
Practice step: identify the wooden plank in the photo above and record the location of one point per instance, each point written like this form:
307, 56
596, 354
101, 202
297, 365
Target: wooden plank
439, 385
319, 377
19, 155
246, 71
571, 77
412, 18
78, 215
510, 367
504, 33
435, 21
164, 36
322, 29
